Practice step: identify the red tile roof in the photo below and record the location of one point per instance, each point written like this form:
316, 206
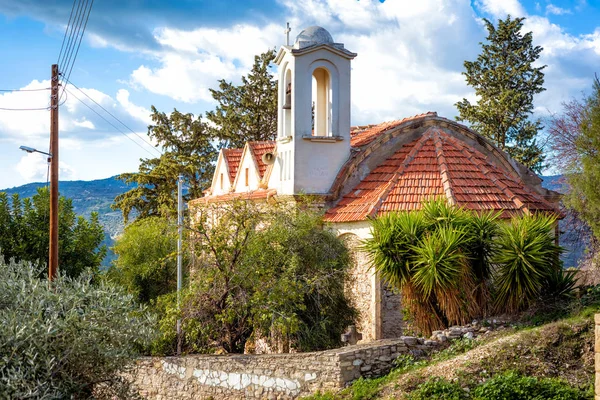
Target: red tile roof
258, 149
362, 135
435, 165
253, 195
233, 158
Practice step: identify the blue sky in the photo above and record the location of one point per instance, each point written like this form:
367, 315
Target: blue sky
169, 53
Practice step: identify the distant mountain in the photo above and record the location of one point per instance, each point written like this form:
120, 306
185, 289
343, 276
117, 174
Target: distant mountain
89, 196
98, 195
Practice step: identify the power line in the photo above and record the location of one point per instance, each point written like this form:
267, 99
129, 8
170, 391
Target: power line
79, 44
23, 90
117, 119
110, 123
25, 109
66, 29
68, 49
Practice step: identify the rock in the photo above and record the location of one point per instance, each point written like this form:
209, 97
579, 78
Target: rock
410, 340
468, 335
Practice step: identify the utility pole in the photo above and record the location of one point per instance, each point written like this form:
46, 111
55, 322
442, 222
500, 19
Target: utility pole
53, 256
179, 253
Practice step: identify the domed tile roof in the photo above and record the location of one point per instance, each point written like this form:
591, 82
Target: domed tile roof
436, 165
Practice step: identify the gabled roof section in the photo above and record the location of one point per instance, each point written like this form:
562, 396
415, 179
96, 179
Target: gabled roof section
363, 135
436, 165
232, 158
258, 149
259, 194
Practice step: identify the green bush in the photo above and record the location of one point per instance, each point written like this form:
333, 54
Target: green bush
508, 386
262, 271
512, 386
439, 389
59, 339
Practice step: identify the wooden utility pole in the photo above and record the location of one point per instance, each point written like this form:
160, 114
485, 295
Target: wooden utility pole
54, 98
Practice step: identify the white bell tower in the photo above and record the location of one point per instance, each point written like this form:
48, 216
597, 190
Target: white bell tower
313, 131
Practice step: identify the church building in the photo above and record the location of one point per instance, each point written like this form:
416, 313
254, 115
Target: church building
363, 171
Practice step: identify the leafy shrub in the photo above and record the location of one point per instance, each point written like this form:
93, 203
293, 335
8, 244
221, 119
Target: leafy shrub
438, 388
146, 263
512, 386
262, 272
508, 386
59, 339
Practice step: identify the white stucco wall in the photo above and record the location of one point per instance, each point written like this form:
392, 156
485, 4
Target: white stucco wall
314, 164
221, 168
248, 162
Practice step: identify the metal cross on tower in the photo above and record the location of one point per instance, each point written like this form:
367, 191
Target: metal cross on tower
287, 33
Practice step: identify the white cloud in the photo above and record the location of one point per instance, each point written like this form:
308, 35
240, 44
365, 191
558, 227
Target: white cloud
84, 123
33, 167
552, 9
501, 8
193, 61
139, 112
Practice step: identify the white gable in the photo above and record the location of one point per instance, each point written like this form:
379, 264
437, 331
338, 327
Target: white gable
221, 183
247, 177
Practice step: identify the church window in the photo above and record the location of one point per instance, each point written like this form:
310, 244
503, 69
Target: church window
321, 102
221, 179
246, 175
287, 105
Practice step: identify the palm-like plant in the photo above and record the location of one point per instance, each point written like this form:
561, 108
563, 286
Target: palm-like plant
527, 257
483, 230
445, 260
442, 273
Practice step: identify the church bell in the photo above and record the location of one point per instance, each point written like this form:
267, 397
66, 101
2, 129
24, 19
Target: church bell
288, 98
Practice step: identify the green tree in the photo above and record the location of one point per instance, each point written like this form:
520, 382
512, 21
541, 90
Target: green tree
263, 271
247, 112
505, 81
584, 174
59, 340
24, 228
187, 150
146, 263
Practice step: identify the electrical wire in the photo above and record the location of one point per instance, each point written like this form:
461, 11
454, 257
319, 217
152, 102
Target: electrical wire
25, 109
117, 119
79, 44
66, 30
71, 35
110, 123
24, 90
74, 42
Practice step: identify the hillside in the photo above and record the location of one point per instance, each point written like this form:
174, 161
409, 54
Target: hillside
556, 357
99, 194
89, 196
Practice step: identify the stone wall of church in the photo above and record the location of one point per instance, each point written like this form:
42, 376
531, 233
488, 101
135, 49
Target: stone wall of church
392, 323
359, 288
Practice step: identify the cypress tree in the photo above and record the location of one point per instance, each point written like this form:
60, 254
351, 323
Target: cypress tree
505, 80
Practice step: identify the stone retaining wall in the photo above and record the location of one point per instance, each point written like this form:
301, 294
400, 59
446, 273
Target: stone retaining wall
597, 355
274, 376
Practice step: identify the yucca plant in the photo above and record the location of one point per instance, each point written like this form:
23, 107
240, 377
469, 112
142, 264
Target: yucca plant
527, 257
483, 230
442, 273
393, 237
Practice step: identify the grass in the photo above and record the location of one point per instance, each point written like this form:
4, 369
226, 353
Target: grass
552, 355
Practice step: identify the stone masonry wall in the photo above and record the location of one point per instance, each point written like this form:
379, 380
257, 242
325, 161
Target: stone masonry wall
597, 355
392, 323
359, 288
276, 376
